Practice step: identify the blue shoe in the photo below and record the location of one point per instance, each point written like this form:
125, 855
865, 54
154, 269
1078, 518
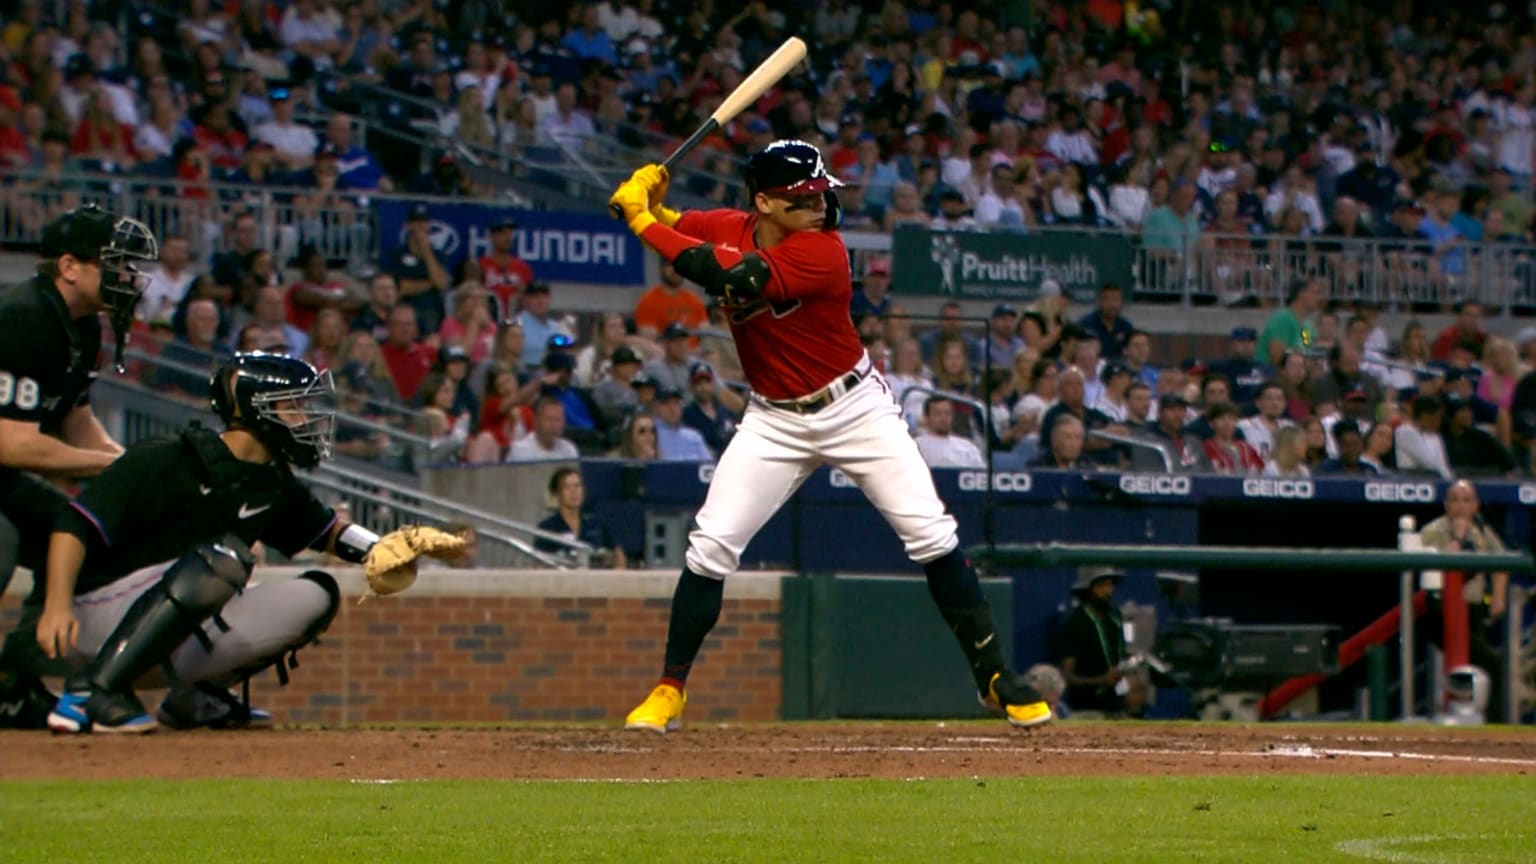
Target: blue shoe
94, 711
205, 706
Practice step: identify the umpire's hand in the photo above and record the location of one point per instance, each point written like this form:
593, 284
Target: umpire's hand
57, 631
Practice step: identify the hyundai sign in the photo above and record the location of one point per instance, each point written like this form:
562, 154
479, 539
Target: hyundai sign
559, 246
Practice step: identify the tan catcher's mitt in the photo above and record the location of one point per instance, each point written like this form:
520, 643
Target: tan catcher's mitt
391, 563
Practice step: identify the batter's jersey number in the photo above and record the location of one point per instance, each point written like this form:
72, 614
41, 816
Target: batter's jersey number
21, 392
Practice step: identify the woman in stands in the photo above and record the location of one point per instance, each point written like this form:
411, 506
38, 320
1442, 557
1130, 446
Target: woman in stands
99, 136
638, 441
446, 431
504, 417
1288, 458
326, 339
907, 371
1380, 449
361, 351
1317, 442
608, 333
470, 326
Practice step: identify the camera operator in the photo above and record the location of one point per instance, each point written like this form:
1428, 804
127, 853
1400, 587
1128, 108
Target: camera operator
1100, 674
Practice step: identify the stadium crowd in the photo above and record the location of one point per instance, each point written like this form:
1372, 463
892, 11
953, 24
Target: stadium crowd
1214, 125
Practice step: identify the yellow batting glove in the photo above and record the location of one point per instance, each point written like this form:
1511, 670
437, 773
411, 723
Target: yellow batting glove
632, 198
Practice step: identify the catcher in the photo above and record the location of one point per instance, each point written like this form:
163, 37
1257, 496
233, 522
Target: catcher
148, 571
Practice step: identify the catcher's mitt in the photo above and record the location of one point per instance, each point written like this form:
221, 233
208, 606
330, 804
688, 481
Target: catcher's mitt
391, 563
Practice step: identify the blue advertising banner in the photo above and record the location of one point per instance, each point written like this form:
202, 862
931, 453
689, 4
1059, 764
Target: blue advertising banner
559, 246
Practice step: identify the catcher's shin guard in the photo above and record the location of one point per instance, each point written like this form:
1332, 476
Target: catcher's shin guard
192, 590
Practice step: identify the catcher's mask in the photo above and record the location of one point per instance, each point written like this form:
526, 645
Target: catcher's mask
117, 244
281, 400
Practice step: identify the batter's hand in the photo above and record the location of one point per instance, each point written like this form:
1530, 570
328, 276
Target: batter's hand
633, 199
58, 631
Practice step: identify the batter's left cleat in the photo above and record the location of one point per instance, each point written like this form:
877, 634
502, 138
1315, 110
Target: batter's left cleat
96, 711
662, 711
25, 704
204, 706
1020, 703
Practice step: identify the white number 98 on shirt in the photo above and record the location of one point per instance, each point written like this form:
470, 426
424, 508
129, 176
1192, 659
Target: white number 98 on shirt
22, 392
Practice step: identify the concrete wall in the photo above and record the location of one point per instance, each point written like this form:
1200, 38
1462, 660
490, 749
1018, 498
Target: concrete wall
488, 645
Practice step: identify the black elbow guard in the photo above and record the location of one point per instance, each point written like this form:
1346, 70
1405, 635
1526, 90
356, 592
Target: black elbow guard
740, 283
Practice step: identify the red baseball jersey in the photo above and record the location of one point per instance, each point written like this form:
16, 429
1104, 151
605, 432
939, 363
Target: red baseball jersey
797, 337
505, 282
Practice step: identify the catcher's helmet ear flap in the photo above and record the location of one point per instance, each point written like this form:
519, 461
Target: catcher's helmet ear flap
281, 400
792, 167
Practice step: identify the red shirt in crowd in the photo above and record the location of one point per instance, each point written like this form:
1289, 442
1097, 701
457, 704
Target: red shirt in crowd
505, 279
224, 151
303, 317
407, 366
90, 139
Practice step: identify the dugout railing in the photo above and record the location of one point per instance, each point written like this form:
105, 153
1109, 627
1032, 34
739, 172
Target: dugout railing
1413, 567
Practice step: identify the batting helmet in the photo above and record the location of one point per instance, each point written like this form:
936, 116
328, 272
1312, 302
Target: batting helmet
794, 168
281, 400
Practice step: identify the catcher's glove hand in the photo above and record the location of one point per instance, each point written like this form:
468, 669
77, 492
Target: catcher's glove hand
391, 563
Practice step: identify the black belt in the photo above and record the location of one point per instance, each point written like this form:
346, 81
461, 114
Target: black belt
821, 398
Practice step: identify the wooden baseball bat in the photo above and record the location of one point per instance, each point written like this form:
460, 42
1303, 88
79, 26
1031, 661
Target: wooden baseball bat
768, 73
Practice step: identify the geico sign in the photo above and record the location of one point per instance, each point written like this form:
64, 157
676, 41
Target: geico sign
1154, 484
1416, 492
706, 473
976, 481
1268, 487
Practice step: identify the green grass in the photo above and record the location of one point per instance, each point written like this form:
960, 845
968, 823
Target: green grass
1249, 819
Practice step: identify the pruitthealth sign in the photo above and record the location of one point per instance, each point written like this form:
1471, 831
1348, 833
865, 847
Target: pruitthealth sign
1006, 265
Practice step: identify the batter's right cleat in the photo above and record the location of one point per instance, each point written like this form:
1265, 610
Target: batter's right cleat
1020, 703
662, 711
204, 706
96, 711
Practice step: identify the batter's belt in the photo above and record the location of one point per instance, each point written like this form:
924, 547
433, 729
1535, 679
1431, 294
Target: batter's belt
826, 395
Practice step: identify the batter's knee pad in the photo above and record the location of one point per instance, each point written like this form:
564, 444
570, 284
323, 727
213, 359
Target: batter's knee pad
192, 590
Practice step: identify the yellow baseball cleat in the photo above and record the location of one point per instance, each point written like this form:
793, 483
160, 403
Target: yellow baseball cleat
662, 711
1020, 703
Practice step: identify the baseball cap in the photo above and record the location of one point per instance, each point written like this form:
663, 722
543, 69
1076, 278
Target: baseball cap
1002, 309
1169, 400
537, 288
452, 354
700, 370
624, 354
1244, 334
1354, 394
505, 220
881, 265
419, 211
675, 331
642, 380
1049, 288
559, 361
279, 94
667, 391
1086, 576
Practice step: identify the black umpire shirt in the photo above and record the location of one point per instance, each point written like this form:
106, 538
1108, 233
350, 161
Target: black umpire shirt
165, 495
47, 359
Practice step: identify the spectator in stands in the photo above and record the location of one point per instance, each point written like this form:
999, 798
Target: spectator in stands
872, 297
1187, 452
446, 179
1345, 374
539, 327
572, 521
1468, 327
359, 169
168, 281
416, 269
468, 122
568, 127
294, 143
1070, 395
1349, 444
1290, 329
715, 411
505, 416
445, 429
501, 272
546, 442
1501, 372
408, 359
675, 441
906, 371
1173, 228
615, 395
1044, 323
954, 213
1262, 429
1240, 368
951, 327
1000, 206
1115, 381
670, 371
373, 318
1288, 454
101, 137
470, 327
1062, 445
1470, 451
327, 338
940, 447
1420, 449
637, 439
1379, 450
582, 419
270, 312
309, 32
316, 290
219, 138
197, 349
1461, 383
1226, 453
1105, 322
1003, 341
1094, 652
668, 302
353, 438
229, 267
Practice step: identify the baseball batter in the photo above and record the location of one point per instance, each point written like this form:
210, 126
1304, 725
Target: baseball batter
782, 272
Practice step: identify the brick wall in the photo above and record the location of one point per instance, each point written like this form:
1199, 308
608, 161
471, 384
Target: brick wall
434, 655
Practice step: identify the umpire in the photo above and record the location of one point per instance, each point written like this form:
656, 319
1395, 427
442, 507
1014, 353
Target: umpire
50, 346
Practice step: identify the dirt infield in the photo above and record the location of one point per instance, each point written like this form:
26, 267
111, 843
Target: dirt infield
809, 750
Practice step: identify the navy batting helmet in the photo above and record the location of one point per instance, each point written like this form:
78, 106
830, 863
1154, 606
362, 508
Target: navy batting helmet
281, 400
794, 168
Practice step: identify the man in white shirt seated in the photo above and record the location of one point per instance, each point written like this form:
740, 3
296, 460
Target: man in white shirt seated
941, 448
546, 442
676, 442
1420, 449
1260, 429
168, 281
294, 143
